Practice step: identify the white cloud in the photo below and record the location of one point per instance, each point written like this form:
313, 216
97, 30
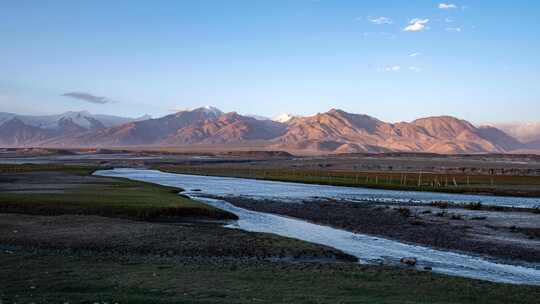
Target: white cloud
415, 69
416, 54
448, 20
380, 20
447, 6
416, 25
392, 68
454, 29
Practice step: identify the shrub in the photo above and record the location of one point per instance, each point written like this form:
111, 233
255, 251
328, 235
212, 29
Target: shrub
473, 206
441, 214
478, 218
440, 204
406, 212
456, 216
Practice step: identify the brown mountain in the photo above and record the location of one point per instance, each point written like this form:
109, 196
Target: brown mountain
339, 131
202, 125
500, 138
335, 131
227, 128
144, 132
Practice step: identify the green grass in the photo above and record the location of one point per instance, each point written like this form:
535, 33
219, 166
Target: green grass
504, 185
60, 279
101, 196
72, 169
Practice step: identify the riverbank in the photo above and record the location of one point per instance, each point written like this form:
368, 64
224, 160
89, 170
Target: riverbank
57, 190
66, 254
455, 183
511, 236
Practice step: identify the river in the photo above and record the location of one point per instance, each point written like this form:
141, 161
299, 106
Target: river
368, 249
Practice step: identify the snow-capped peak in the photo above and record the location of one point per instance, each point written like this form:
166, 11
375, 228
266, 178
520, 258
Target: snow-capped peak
206, 109
213, 110
283, 118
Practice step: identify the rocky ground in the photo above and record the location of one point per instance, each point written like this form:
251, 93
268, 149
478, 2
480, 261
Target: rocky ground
501, 234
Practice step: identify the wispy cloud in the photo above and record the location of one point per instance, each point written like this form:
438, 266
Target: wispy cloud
416, 25
415, 69
390, 68
380, 20
416, 54
88, 97
454, 29
447, 6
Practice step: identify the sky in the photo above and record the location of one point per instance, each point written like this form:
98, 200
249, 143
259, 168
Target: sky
395, 60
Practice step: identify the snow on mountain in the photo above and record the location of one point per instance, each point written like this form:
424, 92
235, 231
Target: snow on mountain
283, 118
257, 117
83, 119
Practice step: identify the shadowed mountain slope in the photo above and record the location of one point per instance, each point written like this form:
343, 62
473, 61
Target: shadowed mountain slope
335, 131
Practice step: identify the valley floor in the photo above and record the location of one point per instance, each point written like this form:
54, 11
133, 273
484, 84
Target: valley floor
66, 236
512, 235
32, 277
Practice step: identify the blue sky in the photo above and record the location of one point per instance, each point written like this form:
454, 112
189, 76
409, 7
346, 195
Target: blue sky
475, 59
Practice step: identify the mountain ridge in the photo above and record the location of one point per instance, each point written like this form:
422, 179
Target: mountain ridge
334, 131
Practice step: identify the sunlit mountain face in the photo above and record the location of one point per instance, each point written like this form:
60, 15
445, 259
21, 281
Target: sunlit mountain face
334, 131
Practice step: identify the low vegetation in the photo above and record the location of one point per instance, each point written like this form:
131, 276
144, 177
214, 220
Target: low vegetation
71, 169
504, 185
56, 279
72, 190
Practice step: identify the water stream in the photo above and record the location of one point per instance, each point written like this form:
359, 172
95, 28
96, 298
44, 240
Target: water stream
368, 249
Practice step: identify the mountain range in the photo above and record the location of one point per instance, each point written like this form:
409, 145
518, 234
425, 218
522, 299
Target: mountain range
528, 132
335, 131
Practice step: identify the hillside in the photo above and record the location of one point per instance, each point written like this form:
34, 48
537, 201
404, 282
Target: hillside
335, 131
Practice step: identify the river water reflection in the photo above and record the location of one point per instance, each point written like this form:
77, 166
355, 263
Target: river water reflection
368, 249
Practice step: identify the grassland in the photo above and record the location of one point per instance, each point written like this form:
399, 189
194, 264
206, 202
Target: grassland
78, 257
503, 185
56, 189
55, 279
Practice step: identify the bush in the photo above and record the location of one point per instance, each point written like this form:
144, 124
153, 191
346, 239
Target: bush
478, 218
441, 214
456, 216
440, 204
473, 206
406, 212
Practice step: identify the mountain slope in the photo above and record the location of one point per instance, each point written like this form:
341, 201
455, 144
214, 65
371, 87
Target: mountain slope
145, 132
335, 131
15, 132
81, 118
26, 130
227, 128
500, 138
527, 133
